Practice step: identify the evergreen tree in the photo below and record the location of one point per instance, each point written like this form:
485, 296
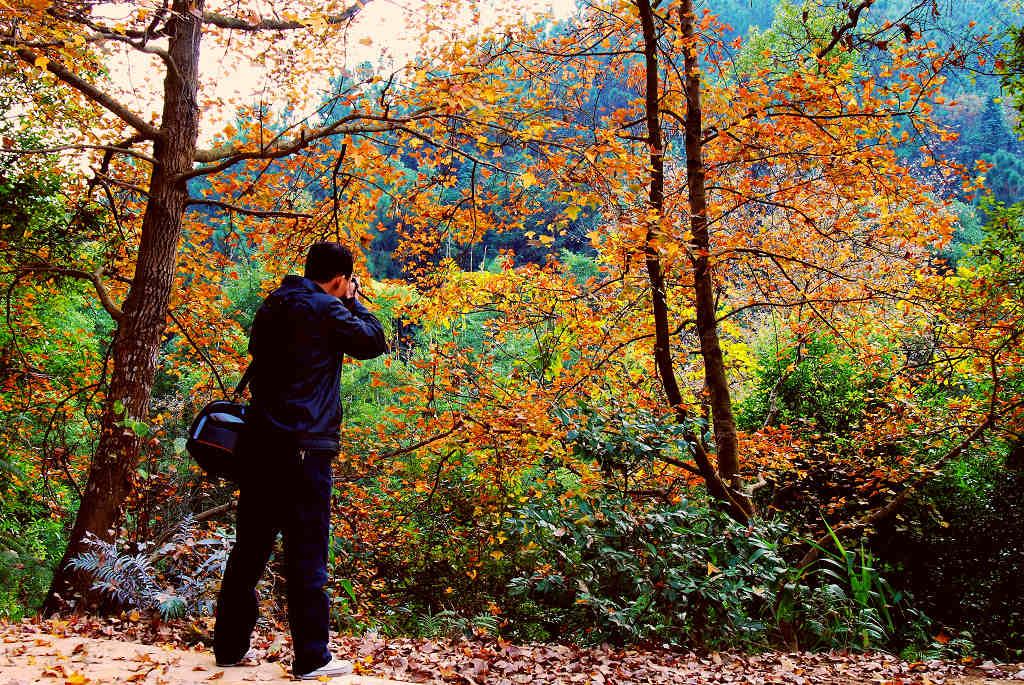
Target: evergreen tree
989, 133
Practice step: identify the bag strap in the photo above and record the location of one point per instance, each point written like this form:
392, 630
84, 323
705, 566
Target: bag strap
244, 380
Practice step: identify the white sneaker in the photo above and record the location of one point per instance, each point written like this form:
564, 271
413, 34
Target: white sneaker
332, 668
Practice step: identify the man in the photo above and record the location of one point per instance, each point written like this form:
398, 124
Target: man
299, 337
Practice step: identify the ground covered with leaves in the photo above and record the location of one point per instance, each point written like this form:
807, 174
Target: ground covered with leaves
64, 651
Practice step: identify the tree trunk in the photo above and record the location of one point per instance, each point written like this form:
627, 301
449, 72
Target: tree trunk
703, 289
142, 324
737, 506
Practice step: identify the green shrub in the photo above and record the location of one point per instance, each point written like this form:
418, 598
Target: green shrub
814, 385
960, 548
842, 600
607, 570
26, 558
31, 541
626, 441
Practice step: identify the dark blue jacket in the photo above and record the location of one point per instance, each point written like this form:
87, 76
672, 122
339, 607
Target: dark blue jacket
299, 336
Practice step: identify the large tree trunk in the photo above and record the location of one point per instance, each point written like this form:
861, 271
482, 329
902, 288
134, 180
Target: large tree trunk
737, 506
142, 324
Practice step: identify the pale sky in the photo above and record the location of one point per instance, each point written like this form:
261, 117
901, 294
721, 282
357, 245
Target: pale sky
385, 33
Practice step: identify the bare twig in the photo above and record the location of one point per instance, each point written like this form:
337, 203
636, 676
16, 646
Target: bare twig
894, 505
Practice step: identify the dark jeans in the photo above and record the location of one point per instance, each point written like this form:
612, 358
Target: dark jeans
291, 496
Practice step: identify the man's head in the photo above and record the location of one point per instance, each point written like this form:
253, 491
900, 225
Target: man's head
330, 266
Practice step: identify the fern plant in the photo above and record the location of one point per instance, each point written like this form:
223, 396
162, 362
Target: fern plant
128, 578
177, 579
448, 623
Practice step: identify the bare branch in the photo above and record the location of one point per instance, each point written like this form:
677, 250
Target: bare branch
199, 350
94, 94
450, 148
456, 425
198, 518
894, 505
679, 463
148, 49
37, 45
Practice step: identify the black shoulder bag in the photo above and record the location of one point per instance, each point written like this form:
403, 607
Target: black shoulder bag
214, 434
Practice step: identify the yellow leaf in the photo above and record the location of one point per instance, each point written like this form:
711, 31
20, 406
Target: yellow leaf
528, 179
76, 678
573, 212
497, 554
712, 568
41, 62
366, 41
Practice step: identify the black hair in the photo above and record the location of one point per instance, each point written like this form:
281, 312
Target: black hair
326, 260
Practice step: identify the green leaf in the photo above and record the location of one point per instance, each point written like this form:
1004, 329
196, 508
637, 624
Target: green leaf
118, 407
179, 446
347, 584
138, 427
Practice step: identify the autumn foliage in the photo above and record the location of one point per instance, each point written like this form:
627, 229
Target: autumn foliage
704, 230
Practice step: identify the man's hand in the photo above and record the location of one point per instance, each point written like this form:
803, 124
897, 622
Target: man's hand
353, 287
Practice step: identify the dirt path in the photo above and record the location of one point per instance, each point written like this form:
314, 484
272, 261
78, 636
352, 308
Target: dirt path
80, 661
91, 650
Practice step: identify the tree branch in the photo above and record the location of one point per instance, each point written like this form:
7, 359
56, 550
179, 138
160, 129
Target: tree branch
679, 463
229, 155
93, 93
264, 214
893, 506
148, 49
198, 518
422, 443
199, 350
838, 33
225, 22
61, 148
94, 277
122, 184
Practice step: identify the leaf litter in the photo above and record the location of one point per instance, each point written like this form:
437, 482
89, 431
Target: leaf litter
468, 661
